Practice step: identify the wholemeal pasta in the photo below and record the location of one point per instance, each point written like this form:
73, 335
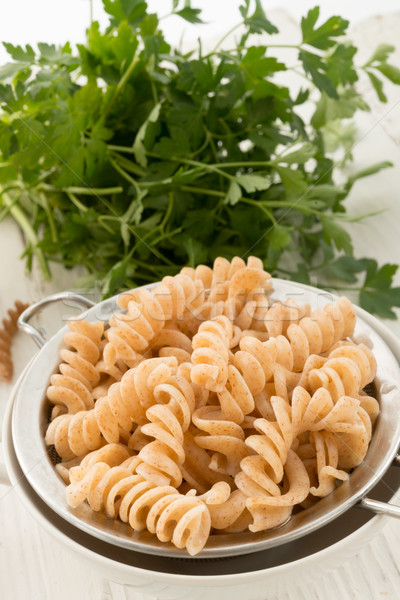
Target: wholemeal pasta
71, 389
119, 491
202, 407
125, 404
7, 331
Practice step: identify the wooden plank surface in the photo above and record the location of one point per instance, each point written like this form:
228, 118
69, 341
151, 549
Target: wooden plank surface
32, 565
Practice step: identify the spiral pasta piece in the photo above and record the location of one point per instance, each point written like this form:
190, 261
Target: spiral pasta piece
111, 454
348, 368
327, 458
146, 382
172, 342
228, 285
224, 271
353, 444
226, 289
131, 333
241, 285
225, 439
297, 336
258, 364
370, 405
202, 272
149, 374
72, 387
196, 468
317, 333
210, 355
281, 315
258, 315
231, 516
262, 472
125, 404
7, 331
184, 520
271, 511
255, 370
248, 282
108, 375
169, 418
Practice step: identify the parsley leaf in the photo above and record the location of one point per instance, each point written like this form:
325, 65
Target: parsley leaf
192, 15
336, 234
322, 37
257, 22
317, 69
377, 294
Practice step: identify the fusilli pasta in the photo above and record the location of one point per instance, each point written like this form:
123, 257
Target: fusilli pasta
7, 332
206, 409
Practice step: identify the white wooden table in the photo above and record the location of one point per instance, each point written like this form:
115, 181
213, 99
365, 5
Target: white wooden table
32, 565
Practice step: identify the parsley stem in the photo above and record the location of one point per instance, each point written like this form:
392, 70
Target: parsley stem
246, 164
84, 191
290, 46
208, 167
120, 86
128, 165
165, 236
20, 217
154, 92
294, 46
227, 34
124, 174
204, 144
186, 161
126, 149
49, 214
102, 220
77, 202
167, 212
141, 240
205, 191
261, 206
214, 167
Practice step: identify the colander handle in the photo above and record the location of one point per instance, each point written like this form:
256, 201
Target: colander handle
35, 334
383, 508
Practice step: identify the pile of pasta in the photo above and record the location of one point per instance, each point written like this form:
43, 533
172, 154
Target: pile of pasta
204, 407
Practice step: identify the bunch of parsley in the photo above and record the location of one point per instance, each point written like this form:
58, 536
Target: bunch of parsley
133, 158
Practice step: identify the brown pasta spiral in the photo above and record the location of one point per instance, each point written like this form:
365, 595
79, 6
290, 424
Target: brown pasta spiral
71, 389
347, 370
263, 470
7, 332
224, 439
317, 333
131, 333
168, 418
210, 355
184, 520
125, 404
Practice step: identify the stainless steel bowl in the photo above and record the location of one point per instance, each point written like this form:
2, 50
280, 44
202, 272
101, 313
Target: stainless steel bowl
30, 419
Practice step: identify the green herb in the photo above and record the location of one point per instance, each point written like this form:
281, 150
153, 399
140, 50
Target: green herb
133, 159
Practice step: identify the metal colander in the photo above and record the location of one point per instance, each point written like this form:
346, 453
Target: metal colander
30, 419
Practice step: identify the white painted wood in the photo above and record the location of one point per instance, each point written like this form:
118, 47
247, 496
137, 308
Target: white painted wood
33, 566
